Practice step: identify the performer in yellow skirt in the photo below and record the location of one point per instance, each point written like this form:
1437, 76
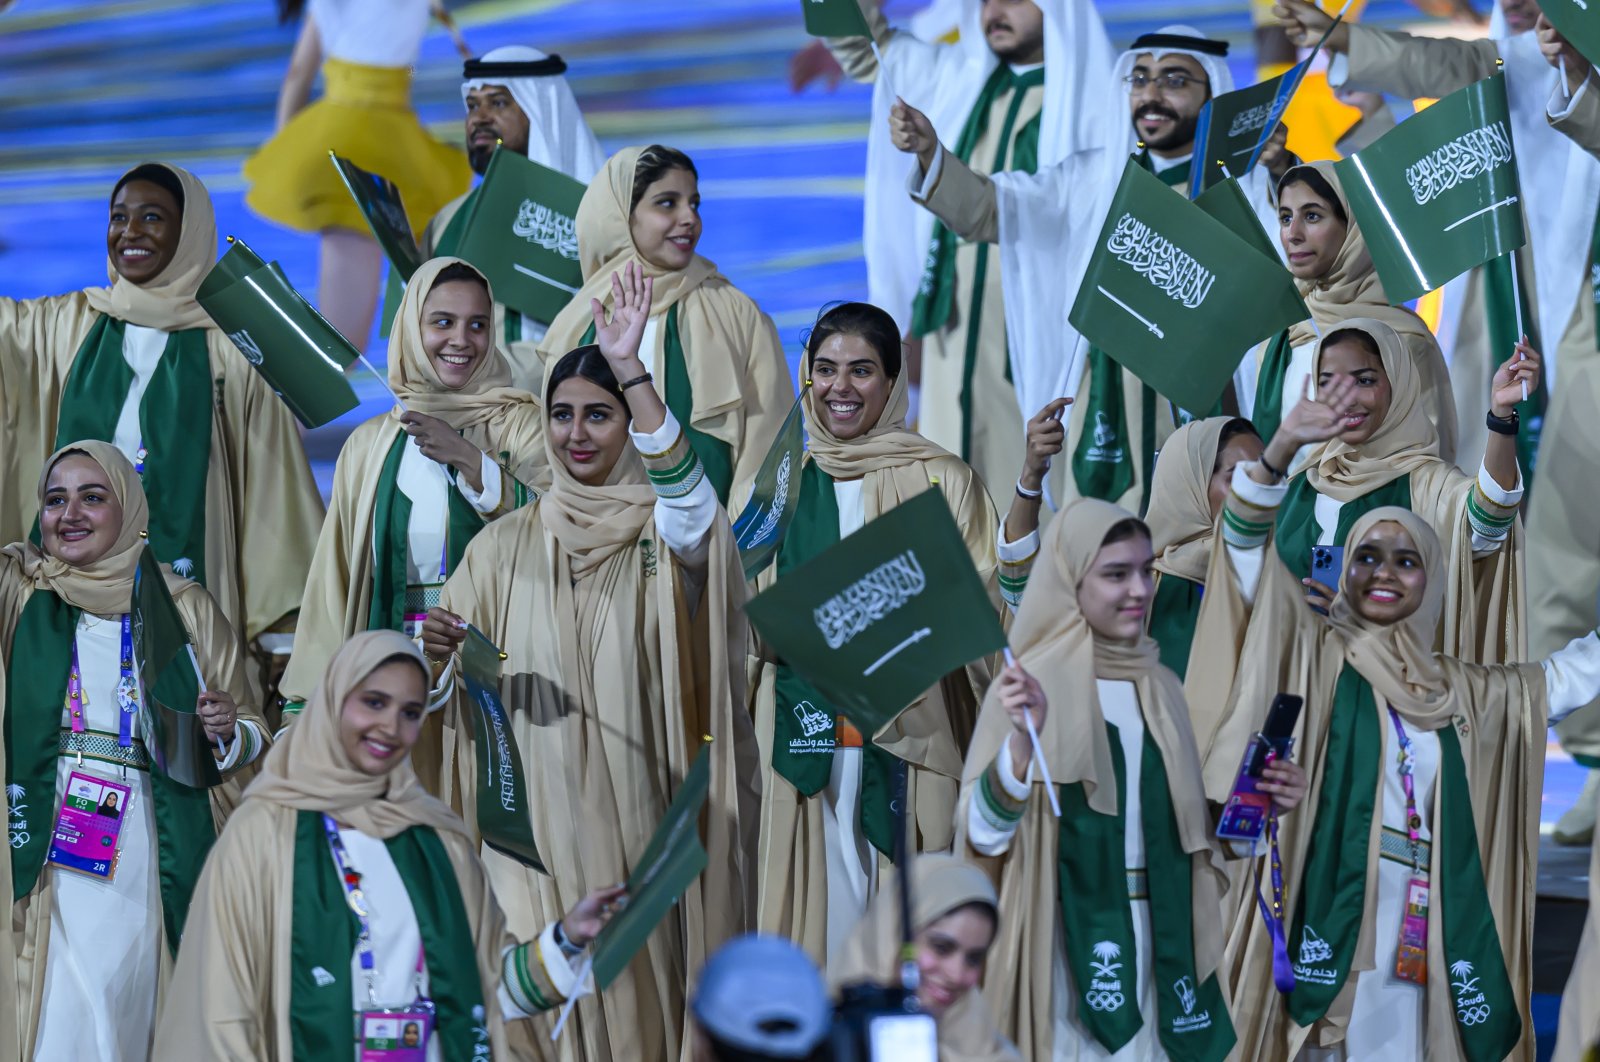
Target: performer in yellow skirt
365, 49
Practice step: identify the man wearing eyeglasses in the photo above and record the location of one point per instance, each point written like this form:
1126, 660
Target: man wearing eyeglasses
1018, 91
1045, 226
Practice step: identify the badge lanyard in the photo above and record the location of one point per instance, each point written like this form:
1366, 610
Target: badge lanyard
1411, 957
1282, 969
350, 878
127, 692
139, 456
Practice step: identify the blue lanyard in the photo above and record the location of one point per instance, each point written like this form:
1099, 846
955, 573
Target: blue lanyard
350, 878
139, 456
1408, 760
127, 688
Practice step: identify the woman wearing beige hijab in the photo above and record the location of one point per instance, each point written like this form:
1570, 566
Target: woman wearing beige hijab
413, 486
1372, 445
616, 600
139, 364
275, 958
826, 825
955, 915
1324, 249
1425, 782
713, 355
92, 940
1111, 950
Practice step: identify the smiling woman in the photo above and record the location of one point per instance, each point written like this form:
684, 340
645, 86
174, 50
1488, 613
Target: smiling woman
72, 709
826, 818
1416, 760
1370, 443
413, 487
140, 365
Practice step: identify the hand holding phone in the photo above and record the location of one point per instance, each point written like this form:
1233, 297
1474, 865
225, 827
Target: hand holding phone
1244, 816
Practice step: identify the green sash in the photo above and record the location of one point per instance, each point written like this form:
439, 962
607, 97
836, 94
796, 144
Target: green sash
1327, 920
1502, 339
323, 940
678, 396
804, 720
1267, 413
174, 420
391, 543
1173, 616
1097, 921
34, 698
1297, 528
936, 291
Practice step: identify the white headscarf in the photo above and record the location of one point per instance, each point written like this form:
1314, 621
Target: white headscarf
558, 136
943, 81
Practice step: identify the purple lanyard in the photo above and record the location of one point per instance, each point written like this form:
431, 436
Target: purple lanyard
127, 689
1282, 969
1408, 783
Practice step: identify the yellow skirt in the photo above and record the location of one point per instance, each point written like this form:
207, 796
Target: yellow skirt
365, 115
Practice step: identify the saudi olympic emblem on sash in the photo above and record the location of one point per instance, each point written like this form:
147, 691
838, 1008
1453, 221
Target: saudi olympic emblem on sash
1472, 1006
1105, 987
15, 795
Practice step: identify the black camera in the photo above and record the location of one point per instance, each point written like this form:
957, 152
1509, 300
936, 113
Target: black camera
875, 1023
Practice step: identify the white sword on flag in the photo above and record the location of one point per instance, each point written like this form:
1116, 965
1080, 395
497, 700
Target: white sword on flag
1154, 328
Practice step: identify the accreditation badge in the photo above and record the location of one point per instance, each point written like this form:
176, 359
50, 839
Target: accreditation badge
88, 833
396, 1034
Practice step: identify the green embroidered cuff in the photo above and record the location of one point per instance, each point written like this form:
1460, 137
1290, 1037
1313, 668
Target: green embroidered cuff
1488, 518
998, 807
677, 472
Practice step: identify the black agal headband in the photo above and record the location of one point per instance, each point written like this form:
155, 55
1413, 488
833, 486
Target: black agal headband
1172, 42
480, 70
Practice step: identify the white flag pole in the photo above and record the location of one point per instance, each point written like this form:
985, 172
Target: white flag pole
579, 991
1038, 750
195, 663
1516, 301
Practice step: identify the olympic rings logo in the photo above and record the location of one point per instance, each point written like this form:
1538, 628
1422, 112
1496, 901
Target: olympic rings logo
1476, 1015
1103, 1001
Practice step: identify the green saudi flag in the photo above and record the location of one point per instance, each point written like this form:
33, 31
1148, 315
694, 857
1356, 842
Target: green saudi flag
759, 529
1439, 194
1234, 127
1227, 202
522, 233
301, 356
834, 18
380, 203
168, 675
670, 862
1578, 21
504, 817
874, 620
1151, 297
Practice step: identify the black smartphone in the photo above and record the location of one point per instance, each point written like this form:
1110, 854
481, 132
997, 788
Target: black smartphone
1244, 816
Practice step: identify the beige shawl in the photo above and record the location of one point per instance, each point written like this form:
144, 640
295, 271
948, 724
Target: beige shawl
616, 669
1053, 641
1351, 288
493, 416
931, 734
167, 301
103, 588
230, 994
736, 366
1498, 713
939, 884
1186, 541
1483, 619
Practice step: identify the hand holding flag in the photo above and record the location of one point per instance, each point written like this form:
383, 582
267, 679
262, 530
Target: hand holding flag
1024, 701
